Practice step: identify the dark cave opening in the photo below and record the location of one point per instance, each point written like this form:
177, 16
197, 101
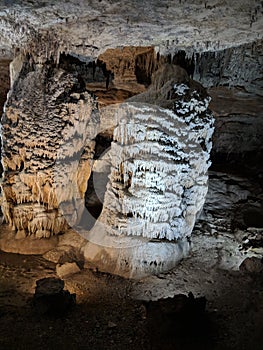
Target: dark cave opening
96, 186
253, 217
180, 59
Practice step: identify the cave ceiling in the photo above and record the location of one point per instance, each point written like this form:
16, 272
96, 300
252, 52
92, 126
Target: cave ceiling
88, 28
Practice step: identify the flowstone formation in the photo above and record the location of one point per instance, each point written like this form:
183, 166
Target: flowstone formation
46, 106
158, 180
159, 159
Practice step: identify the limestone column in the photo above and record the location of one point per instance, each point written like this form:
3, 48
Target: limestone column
47, 108
158, 179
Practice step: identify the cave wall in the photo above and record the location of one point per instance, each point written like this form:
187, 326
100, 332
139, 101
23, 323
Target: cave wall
234, 80
240, 65
4, 88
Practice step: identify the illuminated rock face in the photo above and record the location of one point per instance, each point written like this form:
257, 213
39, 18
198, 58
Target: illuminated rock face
159, 159
158, 179
45, 107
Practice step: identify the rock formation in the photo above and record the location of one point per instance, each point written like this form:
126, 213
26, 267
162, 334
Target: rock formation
160, 159
51, 299
69, 62
46, 107
158, 178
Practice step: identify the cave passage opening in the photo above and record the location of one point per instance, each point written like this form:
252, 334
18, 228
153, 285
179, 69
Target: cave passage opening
96, 186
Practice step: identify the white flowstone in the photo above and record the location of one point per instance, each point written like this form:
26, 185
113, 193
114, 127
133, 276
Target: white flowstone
158, 179
157, 184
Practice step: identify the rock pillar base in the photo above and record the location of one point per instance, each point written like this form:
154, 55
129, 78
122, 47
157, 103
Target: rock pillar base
133, 257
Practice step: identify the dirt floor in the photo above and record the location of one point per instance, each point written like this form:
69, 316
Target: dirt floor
109, 316
110, 312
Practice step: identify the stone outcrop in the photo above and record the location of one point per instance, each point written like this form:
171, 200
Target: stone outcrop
51, 299
67, 269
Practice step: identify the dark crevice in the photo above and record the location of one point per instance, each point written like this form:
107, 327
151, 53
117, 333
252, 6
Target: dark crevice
4, 87
103, 142
93, 203
181, 59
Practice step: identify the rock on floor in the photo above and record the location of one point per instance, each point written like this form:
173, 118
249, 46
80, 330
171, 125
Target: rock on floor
51, 298
67, 269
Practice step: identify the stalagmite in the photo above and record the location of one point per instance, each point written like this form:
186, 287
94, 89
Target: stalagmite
158, 179
158, 161
46, 107
160, 158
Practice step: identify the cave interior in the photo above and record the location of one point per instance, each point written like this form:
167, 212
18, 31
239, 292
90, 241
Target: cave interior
56, 86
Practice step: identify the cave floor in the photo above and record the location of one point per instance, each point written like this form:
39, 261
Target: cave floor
110, 311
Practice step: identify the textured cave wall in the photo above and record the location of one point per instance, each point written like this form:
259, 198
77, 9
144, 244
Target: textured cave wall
89, 27
234, 80
240, 66
130, 66
4, 82
236, 66
46, 108
4, 88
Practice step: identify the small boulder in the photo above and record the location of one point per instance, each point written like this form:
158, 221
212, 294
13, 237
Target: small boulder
178, 316
50, 298
111, 325
252, 265
67, 269
59, 255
